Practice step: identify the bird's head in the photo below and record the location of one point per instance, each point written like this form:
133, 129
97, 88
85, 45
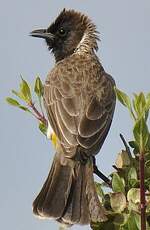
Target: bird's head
70, 32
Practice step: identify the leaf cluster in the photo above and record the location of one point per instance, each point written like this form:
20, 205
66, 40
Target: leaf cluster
123, 201
25, 94
139, 111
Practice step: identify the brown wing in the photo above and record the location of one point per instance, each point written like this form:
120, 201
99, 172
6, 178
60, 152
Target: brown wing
80, 113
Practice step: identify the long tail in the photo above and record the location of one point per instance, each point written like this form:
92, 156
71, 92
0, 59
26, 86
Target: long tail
68, 194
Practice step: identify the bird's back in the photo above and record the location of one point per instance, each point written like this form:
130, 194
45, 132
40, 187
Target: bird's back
77, 92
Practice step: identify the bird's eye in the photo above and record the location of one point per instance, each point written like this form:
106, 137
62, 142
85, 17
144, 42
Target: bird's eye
62, 32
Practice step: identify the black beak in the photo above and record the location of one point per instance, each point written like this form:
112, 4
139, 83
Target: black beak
42, 33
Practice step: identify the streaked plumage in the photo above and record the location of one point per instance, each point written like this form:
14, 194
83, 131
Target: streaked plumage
79, 100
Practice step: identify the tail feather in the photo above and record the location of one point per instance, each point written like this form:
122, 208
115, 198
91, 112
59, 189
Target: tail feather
69, 194
96, 210
77, 201
53, 197
37, 204
85, 215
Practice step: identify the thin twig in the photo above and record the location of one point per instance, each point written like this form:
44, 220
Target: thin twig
100, 174
39, 116
126, 145
116, 168
40, 103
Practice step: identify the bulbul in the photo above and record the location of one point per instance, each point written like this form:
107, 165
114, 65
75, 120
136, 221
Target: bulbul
79, 99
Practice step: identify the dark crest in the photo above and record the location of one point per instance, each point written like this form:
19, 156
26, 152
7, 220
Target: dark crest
71, 32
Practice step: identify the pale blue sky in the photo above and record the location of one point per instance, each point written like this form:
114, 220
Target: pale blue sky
25, 153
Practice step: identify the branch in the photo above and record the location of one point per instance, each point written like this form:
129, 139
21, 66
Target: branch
40, 116
117, 169
100, 174
126, 145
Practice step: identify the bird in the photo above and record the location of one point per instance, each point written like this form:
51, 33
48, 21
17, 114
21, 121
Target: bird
79, 99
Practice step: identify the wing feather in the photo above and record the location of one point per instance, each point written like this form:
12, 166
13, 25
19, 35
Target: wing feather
79, 115
68, 121
71, 139
88, 128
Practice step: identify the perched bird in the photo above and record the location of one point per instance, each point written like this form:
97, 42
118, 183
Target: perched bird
80, 100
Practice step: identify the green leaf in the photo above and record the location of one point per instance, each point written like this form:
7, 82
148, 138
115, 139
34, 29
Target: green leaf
122, 160
134, 183
43, 128
141, 100
118, 201
18, 94
15, 103
135, 147
137, 219
24, 108
132, 174
12, 102
132, 222
38, 88
141, 134
133, 144
134, 195
139, 103
25, 91
117, 183
132, 177
123, 98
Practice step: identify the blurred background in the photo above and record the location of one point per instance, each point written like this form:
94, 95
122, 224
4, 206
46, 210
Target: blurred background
25, 154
